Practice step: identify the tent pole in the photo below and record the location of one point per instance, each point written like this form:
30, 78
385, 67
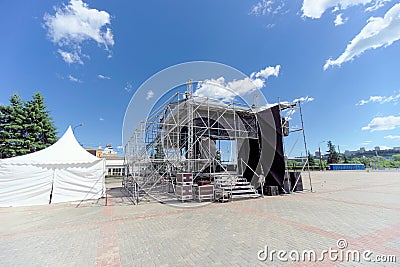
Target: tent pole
52, 186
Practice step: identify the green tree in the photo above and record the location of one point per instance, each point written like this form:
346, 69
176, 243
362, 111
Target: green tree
345, 158
366, 161
41, 132
25, 126
12, 130
333, 156
311, 161
396, 157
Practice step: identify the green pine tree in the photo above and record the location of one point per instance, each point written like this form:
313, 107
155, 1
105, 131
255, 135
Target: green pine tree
5, 112
12, 129
25, 127
41, 132
311, 161
333, 156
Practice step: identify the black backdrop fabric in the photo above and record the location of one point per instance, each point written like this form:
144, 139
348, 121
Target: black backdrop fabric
265, 154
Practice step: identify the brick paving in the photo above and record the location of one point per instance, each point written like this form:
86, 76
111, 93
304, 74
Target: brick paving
360, 207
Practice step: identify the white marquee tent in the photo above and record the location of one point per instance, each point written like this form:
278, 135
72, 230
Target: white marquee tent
62, 172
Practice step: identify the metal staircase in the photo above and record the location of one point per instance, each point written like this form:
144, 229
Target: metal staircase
233, 187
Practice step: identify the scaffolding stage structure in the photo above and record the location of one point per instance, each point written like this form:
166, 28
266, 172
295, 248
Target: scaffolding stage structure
198, 148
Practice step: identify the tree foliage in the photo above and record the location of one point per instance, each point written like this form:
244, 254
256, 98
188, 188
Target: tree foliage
311, 161
333, 156
12, 128
25, 127
345, 158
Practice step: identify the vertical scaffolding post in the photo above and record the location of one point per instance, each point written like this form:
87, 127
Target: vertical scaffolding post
285, 157
190, 144
212, 159
236, 141
305, 145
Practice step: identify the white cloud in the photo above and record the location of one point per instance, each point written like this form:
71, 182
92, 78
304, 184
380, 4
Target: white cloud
74, 79
220, 89
70, 57
392, 136
289, 114
101, 119
339, 20
377, 33
214, 88
227, 91
366, 142
303, 99
128, 87
149, 94
246, 85
382, 124
268, 71
378, 4
380, 99
75, 23
266, 7
315, 8
270, 25
103, 77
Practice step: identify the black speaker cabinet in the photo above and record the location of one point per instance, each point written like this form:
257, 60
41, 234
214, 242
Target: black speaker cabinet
293, 177
271, 191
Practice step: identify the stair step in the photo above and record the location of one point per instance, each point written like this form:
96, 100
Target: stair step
236, 187
238, 192
233, 183
246, 196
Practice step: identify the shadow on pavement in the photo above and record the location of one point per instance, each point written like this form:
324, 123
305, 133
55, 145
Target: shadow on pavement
117, 196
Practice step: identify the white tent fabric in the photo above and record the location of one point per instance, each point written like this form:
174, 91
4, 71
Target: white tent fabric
60, 173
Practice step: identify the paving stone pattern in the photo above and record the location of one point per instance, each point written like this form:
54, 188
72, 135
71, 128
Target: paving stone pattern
358, 206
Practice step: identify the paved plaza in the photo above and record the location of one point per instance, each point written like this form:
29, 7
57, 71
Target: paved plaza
348, 212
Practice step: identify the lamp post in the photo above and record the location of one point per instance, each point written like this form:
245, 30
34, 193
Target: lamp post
76, 126
320, 155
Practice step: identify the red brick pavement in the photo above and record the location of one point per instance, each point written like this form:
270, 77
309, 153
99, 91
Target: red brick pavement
108, 248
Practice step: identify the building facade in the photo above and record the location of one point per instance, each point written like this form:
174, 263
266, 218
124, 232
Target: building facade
115, 166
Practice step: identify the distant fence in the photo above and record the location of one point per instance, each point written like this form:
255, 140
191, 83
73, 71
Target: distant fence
347, 167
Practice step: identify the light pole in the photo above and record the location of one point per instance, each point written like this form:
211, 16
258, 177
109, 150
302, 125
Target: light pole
76, 126
320, 155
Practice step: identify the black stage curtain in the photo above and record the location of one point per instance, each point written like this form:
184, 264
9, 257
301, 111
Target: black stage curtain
272, 146
266, 153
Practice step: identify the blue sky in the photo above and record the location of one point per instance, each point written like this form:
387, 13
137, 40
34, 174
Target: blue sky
88, 58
